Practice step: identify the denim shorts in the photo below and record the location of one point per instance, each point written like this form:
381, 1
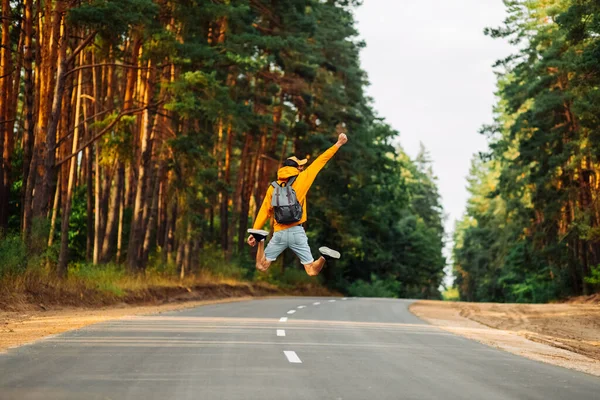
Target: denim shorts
294, 238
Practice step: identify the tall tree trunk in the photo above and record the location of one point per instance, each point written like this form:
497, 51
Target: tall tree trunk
218, 201
98, 178
40, 110
49, 180
63, 257
114, 210
108, 174
89, 160
51, 43
11, 118
187, 247
5, 75
248, 188
54, 215
243, 176
151, 225
170, 232
121, 214
263, 175
27, 140
161, 224
151, 171
97, 194
224, 212
135, 238
179, 259
65, 149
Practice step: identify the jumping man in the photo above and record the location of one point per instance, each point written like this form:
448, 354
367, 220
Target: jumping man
288, 207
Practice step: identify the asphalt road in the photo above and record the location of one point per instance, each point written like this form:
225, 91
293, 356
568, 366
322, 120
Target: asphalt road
332, 349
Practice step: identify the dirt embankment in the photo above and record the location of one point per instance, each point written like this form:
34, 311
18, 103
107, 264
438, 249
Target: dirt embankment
561, 334
26, 317
44, 297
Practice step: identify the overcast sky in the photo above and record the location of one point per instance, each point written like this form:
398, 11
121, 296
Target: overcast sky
430, 68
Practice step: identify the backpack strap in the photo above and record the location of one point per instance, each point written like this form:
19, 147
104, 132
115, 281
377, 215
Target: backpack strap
276, 188
291, 181
289, 184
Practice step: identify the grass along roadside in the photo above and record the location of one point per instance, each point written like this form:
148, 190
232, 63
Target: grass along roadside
89, 285
102, 286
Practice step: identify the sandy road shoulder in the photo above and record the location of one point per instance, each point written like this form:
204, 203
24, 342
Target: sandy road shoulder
452, 317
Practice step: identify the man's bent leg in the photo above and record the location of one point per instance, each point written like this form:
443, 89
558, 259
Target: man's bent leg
262, 264
315, 267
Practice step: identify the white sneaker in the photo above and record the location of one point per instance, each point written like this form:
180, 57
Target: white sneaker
329, 253
258, 234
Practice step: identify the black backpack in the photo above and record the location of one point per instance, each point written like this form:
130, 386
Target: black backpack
285, 204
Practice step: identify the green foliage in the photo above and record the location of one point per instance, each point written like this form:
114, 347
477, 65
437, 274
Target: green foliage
451, 294
113, 18
38, 239
104, 278
213, 261
157, 266
293, 277
78, 225
529, 233
18, 257
376, 287
13, 256
532, 291
287, 278
594, 277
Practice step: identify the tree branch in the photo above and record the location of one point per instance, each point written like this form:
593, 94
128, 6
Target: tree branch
70, 132
103, 131
106, 65
81, 46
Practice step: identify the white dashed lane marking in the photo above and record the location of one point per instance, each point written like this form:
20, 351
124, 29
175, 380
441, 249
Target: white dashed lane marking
292, 357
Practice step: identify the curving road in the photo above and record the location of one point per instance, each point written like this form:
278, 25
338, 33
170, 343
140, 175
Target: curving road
284, 348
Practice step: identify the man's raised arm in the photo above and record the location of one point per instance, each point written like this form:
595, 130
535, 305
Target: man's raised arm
317, 165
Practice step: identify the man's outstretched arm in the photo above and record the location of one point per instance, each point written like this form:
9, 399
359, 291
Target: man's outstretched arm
317, 165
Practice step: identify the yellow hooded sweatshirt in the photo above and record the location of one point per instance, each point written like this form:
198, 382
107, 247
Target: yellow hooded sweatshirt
301, 185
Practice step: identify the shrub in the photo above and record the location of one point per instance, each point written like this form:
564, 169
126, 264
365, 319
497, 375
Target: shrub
594, 278
105, 278
213, 262
451, 294
376, 288
13, 256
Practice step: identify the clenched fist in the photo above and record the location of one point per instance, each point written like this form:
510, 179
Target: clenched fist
342, 139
